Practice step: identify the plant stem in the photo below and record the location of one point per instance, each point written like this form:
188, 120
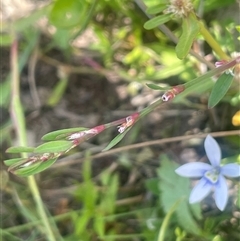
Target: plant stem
40, 206
166, 220
203, 80
18, 118
212, 42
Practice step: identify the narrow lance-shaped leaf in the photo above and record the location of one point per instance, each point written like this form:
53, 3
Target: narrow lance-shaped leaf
190, 29
157, 8
54, 147
123, 129
156, 87
60, 134
20, 149
156, 21
13, 161
34, 168
116, 140
220, 89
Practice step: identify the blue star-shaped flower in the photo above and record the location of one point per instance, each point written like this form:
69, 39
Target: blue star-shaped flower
212, 176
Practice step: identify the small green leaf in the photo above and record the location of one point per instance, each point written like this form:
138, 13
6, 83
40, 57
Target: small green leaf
190, 29
34, 168
67, 14
115, 141
20, 149
156, 87
156, 8
53, 147
13, 161
58, 92
61, 134
220, 89
156, 21
99, 225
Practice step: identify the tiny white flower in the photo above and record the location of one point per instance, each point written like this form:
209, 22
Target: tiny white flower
180, 8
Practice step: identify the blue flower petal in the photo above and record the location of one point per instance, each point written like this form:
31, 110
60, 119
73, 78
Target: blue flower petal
200, 191
212, 150
231, 170
221, 193
193, 169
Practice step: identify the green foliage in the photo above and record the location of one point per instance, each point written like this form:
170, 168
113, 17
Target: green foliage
14, 161
155, 87
24, 168
156, 8
156, 21
220, 89
190, 29
116, 140
215, 4
53, 147
174, 187
58, 92
71, 11
20, 149
96, 203
61, 134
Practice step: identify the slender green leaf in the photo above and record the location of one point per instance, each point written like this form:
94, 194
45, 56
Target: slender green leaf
116, 140
99, 225
20, 149
61, 134
156, 8
166, 221
156, 21
82, 221
54, 147
13, 161
58, 91
220, 89
156, 87
190, 29
108, 199
34, 168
